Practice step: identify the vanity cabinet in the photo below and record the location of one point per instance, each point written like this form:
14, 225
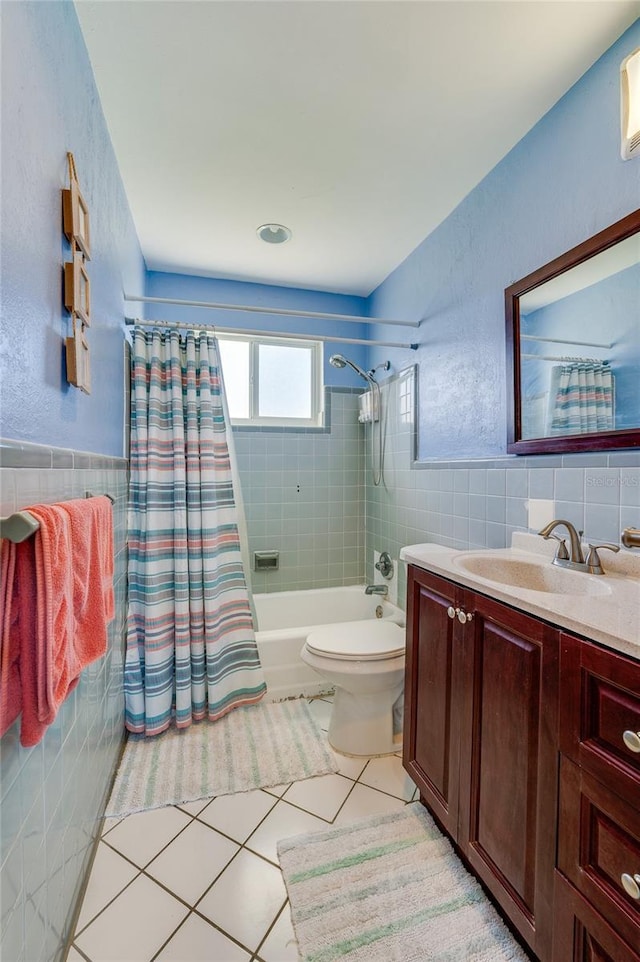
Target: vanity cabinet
524, 742
480, 740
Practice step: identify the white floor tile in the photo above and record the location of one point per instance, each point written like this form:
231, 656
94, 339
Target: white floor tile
134, 926
109, 875
237, 815
388, 775
194, 808
246, 899
364, 801
110, 823
283, 822
277, 790
141, 836
280, 945
192, 861
197, 941
349, 765
322, 796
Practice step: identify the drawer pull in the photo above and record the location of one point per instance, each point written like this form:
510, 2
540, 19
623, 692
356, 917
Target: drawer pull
451, 611
631, 885
632, 741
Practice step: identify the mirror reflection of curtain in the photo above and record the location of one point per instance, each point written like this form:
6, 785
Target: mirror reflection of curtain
582, 396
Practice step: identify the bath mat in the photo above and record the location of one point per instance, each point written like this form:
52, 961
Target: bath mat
389, 889
253, 747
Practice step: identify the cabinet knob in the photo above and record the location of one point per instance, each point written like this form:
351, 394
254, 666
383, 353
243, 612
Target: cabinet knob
464, 617
632, 741
451, 611
631, 885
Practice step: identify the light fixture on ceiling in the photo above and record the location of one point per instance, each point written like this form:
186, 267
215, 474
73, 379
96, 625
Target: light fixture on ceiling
274, 233
630, 105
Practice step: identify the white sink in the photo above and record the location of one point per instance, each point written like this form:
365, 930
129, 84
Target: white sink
531, 576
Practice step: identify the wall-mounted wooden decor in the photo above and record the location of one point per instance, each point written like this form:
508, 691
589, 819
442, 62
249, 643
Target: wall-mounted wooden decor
77, 288
78, 360
75, 218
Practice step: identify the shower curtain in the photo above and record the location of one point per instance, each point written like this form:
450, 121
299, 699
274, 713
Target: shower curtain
583, 398
191, 650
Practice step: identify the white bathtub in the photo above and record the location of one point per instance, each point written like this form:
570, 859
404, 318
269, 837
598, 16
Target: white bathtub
285, 618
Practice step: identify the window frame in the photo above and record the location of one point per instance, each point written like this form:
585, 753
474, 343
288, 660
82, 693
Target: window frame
316, 386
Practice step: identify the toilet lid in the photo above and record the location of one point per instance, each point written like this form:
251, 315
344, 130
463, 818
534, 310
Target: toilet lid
358, 640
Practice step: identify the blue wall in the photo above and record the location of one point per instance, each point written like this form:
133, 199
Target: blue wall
191, 288
53, 794
54, 108
562, 183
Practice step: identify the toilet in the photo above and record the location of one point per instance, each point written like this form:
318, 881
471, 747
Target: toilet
365, 662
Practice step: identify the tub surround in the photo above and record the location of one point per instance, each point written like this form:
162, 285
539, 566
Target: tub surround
609, 616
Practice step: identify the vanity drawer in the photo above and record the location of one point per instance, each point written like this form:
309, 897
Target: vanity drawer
599, 703
598, 844
581, 934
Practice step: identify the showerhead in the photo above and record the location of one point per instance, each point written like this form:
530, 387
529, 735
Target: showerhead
339, 360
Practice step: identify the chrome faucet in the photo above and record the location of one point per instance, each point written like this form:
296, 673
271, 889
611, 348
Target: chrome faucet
377, 590
575, 559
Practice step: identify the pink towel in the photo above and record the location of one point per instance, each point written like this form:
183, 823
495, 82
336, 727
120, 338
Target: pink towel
55, 610
10, 690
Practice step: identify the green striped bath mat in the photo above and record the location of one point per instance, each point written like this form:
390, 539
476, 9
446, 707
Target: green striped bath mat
389, 889
254, 747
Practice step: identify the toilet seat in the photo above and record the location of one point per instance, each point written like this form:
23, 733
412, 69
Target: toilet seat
358, 641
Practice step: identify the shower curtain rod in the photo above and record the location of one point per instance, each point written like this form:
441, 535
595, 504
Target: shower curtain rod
558, 340
319, 315
133, 321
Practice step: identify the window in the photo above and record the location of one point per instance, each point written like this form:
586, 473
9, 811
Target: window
272, 381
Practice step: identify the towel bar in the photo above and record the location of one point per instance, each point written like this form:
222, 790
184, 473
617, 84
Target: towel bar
21, 525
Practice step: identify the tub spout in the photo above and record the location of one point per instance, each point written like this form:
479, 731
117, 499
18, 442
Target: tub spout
377, 590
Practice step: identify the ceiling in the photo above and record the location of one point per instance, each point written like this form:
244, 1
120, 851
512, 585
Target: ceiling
358, 124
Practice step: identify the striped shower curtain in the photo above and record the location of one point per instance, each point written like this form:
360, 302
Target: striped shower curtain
583, 399
191, 651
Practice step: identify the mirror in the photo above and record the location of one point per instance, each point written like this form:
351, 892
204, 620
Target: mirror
573, 348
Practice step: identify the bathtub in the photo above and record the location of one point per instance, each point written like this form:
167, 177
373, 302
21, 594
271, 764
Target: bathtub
285, 618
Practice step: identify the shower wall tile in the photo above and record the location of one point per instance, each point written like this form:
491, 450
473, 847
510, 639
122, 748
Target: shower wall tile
52, 796
304, 497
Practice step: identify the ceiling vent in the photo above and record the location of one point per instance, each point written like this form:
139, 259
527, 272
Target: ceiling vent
274, 233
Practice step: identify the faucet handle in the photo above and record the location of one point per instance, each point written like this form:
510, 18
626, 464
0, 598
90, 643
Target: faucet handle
593, 559
561, 551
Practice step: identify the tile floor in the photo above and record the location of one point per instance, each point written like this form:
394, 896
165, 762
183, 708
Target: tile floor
201, 881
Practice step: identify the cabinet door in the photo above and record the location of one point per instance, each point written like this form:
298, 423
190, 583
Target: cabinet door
508, 763
432, 697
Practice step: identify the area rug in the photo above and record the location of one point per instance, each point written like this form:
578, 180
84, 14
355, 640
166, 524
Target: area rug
253, 747
389, 889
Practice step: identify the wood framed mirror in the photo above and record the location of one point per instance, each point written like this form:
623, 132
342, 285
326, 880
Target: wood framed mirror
573, 348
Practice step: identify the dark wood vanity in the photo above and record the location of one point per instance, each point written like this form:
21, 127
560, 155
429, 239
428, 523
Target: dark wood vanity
513, 735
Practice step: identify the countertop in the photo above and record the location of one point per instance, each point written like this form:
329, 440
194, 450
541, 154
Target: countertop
611, 619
